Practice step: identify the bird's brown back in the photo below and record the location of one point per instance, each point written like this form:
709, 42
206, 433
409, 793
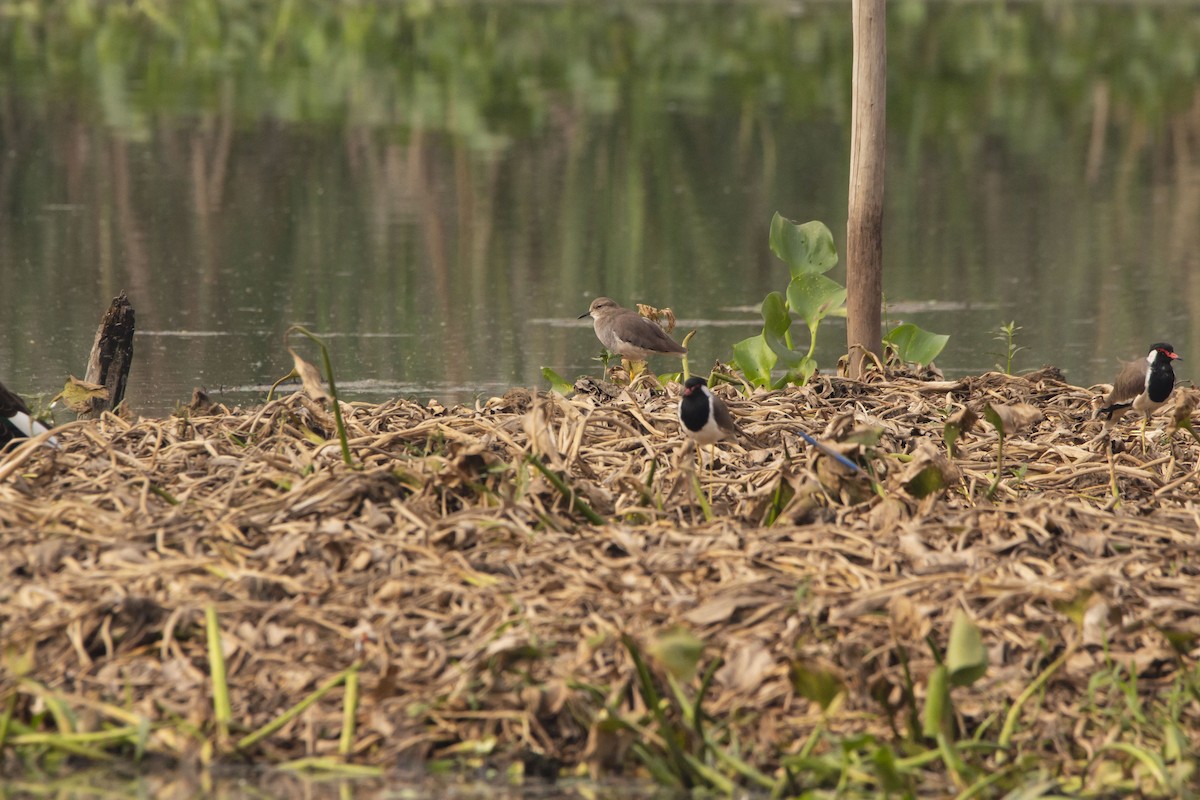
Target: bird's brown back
1129, 383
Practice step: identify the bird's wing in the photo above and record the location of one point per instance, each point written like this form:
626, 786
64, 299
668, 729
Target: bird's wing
727, 423
725, 420
1129, 383
658, 337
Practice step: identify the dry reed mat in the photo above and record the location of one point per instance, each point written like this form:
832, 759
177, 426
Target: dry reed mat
553, 583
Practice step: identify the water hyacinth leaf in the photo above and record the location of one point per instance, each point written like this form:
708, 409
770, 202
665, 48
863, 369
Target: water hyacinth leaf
678, 651
929, 471
817, 682
966, 656
915, 345
785, 357
812, 296
990, 414
755, 359
806, 248
776, 319
927, 481
938, 710
801, 373
557, 382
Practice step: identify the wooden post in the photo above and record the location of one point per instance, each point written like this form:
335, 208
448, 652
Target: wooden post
864, 229
112, 356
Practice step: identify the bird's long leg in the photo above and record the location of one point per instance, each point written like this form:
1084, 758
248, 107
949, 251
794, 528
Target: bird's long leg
1142, 434
712, 470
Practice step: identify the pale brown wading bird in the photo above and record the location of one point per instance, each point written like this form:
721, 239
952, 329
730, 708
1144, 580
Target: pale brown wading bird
629, 334
1143, 385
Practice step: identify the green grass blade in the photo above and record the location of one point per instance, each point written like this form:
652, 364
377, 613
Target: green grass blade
333, 393
222, 709
1014, 713
287, 716
349, 711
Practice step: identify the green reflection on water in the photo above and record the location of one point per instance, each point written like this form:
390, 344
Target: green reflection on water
447, 185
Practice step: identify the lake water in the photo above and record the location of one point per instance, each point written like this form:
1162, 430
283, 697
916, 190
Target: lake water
442, 190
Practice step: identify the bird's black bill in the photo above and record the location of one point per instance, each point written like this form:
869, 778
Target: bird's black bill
585, 314
1110, 410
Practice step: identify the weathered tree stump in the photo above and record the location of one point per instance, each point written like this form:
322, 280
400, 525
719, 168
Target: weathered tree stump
112, 356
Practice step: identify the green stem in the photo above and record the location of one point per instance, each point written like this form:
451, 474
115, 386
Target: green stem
222, 709
349, 711
1010, 721
572, 497
295, 711
333, 394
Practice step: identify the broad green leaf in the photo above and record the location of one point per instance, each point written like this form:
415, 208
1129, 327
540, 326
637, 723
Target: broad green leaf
801, 373
813, 296
679, 652
1176, 744
806, 248
926, 482
957, 424
776, 319
966, 657
884, 759
784, 356
916, 345
991, 416
557, 383
754, 358
937, 711
817, 682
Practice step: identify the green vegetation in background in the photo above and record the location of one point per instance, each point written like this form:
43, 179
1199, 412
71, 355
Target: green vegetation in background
494, 71
809, 252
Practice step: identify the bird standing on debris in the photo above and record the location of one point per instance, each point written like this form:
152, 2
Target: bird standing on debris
629, 334
1142, 385
15, 420
704, 416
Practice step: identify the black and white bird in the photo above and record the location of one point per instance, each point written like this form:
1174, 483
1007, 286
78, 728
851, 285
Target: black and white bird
15, 420
704, 417
1143, 385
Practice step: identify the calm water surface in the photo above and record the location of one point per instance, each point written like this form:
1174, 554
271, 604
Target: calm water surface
441, 192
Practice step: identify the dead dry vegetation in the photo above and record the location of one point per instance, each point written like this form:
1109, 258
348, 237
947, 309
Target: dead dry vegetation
485, 619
